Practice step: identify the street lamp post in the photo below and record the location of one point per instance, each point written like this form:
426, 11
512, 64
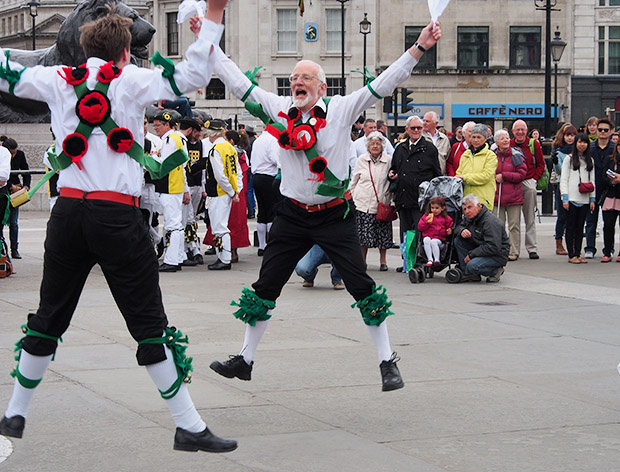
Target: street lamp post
34, 12
547, 6
343, 89
365, 30
557, 49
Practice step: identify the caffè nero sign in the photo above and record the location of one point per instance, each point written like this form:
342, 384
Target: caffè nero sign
500, 111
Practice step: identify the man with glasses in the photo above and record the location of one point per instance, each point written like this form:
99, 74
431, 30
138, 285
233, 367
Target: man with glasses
601, 150
414, 161
314, 136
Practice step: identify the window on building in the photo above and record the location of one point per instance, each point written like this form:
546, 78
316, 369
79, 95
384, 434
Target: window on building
473, 47
3, 26
21, 23
610, 3
287, 30
172, 33
10, 25
284, 87
216, 90
333, 30
429, 58
609, 49
334, 86
525, 47
16, 23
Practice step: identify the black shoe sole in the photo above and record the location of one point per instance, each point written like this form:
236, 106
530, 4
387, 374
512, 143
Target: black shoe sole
388, 388
194, 448
221, 369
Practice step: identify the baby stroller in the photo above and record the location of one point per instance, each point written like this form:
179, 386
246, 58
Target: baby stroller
451, 190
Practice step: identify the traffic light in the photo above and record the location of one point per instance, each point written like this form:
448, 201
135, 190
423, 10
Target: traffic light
406, 97
387, 104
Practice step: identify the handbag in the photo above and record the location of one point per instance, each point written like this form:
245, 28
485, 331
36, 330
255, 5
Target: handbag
585, 187
384, 212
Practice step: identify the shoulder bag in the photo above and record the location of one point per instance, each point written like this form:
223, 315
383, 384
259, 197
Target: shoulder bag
384, 212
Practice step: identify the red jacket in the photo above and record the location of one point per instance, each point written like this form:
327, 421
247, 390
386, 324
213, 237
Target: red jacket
510, 188
454, 159
437, 229
533, 172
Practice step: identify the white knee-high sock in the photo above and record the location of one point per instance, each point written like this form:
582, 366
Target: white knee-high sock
181, 406
381, 338
253, 335
436, 245
261, 229
33, 368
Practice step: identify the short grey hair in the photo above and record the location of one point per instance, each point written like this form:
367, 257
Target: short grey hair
499, 133
210, 133
411, 118
479, 128
470, 198
467, 126
375, 135
433, 116
319, 70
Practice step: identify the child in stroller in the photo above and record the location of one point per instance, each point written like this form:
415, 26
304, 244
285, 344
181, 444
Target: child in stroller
435, 226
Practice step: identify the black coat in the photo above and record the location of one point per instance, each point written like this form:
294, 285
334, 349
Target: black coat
18, 162
413, 166
488, 234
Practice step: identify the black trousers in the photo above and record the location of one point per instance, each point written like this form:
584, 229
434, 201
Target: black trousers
409, 218
295, 231
265, 197
609, 230
575, 220
80, 234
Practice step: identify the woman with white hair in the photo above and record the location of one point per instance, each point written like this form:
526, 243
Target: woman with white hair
477, 167
369, 185
510, 172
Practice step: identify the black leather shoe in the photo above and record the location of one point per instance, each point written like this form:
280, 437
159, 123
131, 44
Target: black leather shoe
13, 426
219, 265
471, 278
189, 263
204, 441
168, 268
260, 252
210, 251
534, 255
236, 366
199, 260
15, 254
391, 375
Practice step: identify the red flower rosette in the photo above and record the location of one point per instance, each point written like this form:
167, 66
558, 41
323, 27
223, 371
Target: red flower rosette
318, 166
319, 118
74, 75
75, 146
293, 114
120, 140
108, 72
283, 137
93, 108
303, 137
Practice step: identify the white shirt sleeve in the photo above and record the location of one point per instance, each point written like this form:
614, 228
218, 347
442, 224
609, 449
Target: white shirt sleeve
5, 165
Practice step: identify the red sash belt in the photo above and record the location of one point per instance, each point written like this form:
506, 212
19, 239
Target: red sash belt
100, 195
323, 206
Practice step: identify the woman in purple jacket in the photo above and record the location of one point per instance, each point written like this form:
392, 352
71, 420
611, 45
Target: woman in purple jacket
511, 169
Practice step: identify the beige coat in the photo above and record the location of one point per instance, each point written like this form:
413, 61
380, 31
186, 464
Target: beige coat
361, 185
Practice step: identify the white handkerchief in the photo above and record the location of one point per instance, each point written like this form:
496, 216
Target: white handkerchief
189, 8
436, 7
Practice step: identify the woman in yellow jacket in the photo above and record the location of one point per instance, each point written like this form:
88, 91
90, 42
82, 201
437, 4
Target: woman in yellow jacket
477, 167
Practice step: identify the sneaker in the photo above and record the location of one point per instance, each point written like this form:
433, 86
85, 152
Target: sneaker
338, 286
235, 366
390, 375
307, 284
471, 278
495, 278
589, 255
606, 259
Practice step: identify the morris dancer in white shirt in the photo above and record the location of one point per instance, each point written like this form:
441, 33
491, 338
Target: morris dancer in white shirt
96, 219
315, 139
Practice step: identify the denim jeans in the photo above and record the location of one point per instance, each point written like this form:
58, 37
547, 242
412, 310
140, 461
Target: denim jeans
486, 266
308, 266
181, 105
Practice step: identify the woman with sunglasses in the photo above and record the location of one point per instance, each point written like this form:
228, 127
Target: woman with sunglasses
611, 203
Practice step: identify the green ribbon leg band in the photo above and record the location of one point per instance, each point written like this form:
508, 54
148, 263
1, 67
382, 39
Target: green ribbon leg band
174, 339
375, 307
23, 381
11, 76
252, 308
31, 332
168, 72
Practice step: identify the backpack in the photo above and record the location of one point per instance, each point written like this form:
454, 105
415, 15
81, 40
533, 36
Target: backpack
6, 268
542, 183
